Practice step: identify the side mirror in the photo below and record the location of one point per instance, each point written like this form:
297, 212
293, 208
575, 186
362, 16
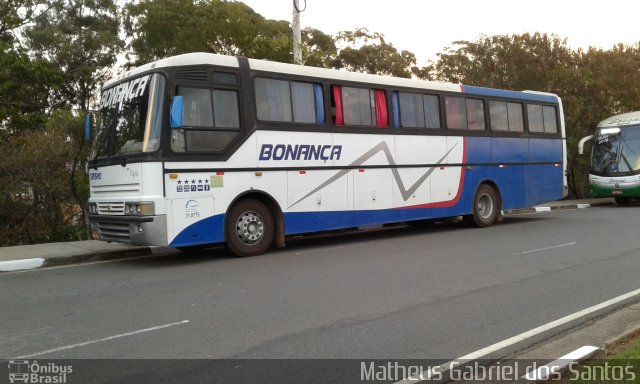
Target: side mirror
582, 142
176, 112
87, 127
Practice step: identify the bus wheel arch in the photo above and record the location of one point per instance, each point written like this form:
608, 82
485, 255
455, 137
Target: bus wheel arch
486, 207
259, 208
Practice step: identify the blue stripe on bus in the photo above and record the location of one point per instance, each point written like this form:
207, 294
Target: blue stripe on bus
206, 231
482, 91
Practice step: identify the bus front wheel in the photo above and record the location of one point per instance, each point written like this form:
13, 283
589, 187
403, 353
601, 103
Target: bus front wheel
249, 228
486, 207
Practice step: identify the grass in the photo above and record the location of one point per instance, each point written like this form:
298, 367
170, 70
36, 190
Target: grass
619, 363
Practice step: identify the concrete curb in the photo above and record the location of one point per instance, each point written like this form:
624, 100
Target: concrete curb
88, 257
581, 355
544, 208
96, 256
561, 364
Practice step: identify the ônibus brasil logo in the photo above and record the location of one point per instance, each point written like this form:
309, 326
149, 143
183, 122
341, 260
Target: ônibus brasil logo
24, 371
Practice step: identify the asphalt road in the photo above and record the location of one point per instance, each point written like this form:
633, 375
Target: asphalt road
436, 292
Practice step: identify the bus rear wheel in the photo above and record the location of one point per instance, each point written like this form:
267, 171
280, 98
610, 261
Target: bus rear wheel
622, 201
249, 228
486, 207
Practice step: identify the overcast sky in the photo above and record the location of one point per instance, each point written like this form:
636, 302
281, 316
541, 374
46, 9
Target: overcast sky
425, 27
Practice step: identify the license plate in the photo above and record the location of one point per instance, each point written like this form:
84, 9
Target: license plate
617, 193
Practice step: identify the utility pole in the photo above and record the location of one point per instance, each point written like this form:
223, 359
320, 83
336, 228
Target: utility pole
297, 34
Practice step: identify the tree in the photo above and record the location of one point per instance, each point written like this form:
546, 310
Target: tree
373, 55
37, 203
163, 28
318, 48
80, 38
14, 14
25, 85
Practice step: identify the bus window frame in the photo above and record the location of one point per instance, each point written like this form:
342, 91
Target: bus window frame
241, 131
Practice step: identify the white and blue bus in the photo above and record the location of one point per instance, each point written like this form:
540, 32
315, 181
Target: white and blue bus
199, 149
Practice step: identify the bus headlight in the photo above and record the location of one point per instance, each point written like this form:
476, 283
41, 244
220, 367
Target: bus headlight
140, 209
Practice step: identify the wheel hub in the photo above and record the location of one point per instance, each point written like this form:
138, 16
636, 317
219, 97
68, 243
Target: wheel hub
250, 228
485, 206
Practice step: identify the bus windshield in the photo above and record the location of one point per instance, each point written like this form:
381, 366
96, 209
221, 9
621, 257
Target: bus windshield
130, 117
616, 151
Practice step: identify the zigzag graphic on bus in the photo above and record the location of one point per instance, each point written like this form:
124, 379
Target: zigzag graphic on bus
406, 193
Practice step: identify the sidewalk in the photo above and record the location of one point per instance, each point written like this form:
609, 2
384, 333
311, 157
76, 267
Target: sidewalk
52, 254
73, 252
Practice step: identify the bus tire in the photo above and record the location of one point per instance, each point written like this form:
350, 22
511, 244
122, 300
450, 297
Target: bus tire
622, 201
486, 207
249, 228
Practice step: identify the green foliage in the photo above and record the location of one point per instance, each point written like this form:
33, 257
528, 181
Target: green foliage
14, 14
163, 28
36, 203
373, 55
25, 84
80, 38
318, 48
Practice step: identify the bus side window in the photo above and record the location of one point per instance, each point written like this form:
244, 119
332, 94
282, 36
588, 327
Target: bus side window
456, 112
475, 114
506, 116
499, 116
516, 118
417, 110
289, 101
273, 98
211, 120
550, 121
431, 105
197, 107
534, 117
360, 106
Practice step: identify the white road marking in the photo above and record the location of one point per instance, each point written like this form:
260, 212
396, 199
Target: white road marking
542, 209
521, 337
546, 371
100, 340
17, 265
544, 249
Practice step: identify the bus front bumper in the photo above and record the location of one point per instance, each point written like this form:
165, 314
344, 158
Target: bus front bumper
134, 230
615, 186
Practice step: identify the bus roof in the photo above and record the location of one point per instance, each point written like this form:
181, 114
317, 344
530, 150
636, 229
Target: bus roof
199, 58
621, 120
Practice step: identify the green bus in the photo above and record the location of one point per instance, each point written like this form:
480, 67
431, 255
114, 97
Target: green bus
615, 158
